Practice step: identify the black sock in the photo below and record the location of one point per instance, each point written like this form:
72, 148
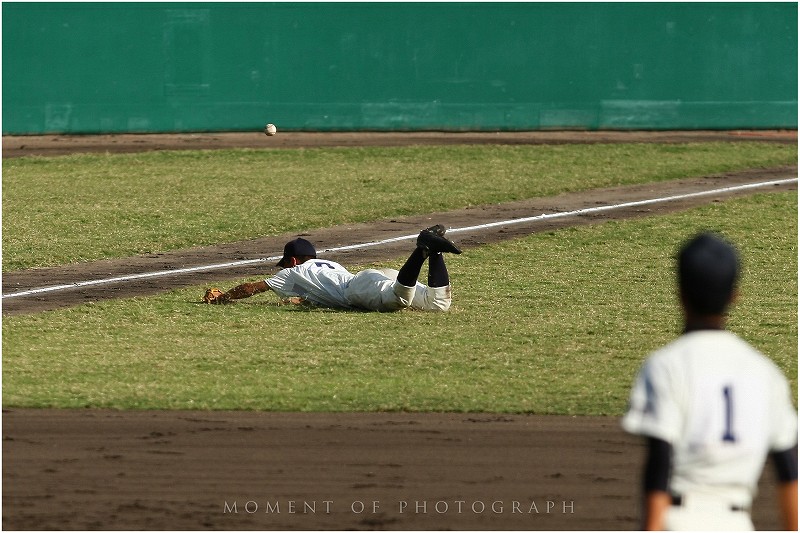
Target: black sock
410, 272
437, 271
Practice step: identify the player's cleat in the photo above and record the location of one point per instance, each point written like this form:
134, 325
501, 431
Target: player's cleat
438, 229
432, 239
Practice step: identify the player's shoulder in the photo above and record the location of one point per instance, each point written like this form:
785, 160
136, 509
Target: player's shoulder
714, 347
320, 264
702, 340
694, 344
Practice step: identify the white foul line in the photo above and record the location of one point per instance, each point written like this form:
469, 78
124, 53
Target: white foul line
543, 216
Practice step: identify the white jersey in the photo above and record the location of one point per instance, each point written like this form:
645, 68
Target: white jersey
722, 406
319, 281
329, 284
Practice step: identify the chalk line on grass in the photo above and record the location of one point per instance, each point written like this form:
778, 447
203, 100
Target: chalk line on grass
543, 216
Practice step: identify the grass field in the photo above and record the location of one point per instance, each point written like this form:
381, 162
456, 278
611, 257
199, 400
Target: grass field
62, 210
553, 323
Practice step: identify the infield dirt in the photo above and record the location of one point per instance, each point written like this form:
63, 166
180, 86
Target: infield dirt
179, 470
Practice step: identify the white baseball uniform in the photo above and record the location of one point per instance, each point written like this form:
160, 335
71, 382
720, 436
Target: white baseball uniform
329, 284
723, 406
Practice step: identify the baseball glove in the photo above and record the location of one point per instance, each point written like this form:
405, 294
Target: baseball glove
213, 295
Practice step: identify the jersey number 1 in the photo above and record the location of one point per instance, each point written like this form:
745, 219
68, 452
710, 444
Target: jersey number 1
728, 435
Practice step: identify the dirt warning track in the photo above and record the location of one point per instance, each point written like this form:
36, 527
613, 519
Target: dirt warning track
188, 470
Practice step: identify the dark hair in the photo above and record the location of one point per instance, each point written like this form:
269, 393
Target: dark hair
708, 271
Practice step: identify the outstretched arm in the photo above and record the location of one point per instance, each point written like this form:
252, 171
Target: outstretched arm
245, 290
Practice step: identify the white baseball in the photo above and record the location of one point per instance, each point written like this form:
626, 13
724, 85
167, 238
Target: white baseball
270, 129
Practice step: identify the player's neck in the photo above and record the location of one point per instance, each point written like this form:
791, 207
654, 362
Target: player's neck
694, 322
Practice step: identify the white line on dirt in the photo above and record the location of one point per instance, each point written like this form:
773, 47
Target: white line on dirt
544, 216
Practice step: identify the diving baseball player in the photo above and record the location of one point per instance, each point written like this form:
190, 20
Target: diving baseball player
712, 408
328, 284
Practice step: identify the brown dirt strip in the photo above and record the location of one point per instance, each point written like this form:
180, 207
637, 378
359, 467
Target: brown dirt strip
50, 145
187, 470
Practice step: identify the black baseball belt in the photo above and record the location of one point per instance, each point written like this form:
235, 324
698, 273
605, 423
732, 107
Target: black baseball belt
678, 501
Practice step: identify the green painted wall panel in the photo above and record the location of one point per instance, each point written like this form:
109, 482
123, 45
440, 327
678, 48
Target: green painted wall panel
117, 67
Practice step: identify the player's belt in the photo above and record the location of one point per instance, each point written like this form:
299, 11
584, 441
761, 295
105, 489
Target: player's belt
678, 501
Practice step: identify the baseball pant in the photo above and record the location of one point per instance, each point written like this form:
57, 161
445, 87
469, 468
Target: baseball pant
702, 512
378, 290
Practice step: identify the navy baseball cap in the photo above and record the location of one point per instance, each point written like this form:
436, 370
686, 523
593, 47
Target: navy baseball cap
708, 271
296, 248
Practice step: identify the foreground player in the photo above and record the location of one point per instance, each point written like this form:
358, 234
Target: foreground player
711, 408
328, 284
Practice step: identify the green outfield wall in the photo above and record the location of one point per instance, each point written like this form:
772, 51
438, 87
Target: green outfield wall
168, 67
